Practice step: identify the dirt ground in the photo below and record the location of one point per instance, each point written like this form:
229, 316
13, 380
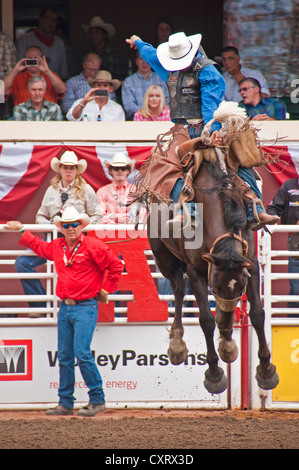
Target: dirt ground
151, 429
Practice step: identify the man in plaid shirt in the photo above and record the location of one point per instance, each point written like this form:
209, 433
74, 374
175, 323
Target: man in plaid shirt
7, 55
37, 108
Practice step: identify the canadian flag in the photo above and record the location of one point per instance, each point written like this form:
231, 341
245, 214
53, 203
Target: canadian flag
23, 167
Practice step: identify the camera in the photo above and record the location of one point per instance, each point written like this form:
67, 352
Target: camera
101, 93
31, 62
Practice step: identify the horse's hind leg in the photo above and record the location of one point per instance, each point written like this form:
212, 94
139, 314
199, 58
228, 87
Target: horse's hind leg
177, 351
171, 268
266, 375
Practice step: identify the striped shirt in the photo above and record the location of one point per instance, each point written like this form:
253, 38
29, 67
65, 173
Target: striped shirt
48, 112
7, 55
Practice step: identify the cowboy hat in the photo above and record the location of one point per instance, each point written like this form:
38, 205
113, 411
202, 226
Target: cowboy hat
120, 159
68, 158
97, 22
106, 77
179, 51
70, 214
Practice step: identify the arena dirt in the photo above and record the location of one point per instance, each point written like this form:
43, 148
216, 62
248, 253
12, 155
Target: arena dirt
151, 429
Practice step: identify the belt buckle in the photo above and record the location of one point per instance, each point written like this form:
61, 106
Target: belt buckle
70, 302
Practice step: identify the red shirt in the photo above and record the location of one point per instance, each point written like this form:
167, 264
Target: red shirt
20, 93
84, 278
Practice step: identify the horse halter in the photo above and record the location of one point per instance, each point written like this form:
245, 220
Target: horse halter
227, 305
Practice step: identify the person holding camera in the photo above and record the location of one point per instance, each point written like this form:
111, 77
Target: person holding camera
33, 64
67, 188
96, 105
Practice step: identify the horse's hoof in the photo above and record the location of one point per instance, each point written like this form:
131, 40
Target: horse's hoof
177, 355
215, 384
269, 380
228, 350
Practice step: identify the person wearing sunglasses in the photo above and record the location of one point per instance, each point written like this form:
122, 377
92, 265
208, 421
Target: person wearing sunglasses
113, 197
87, 271
257, 107
67, 188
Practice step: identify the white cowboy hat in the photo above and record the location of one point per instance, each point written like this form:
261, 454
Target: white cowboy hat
69, 158
120, 159
179, 51
106, 77
97, 22
70, 214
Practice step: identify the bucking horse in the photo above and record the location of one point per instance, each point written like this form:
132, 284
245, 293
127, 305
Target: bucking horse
224, 261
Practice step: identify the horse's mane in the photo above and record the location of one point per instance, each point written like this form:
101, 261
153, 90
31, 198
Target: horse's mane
234, 211
234, 216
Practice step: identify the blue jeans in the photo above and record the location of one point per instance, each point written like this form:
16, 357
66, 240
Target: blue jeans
76, 325
27, 264
246, 175
294, 283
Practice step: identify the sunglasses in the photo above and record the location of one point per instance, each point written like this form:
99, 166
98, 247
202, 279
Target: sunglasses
74, 225
122, 168
246, 88
68, 167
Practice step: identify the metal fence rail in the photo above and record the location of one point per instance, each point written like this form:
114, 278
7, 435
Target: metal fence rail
8, 258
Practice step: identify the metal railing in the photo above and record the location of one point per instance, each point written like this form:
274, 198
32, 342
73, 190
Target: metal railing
50, 312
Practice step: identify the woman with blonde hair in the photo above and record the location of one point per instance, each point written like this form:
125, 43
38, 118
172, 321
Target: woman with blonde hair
154, 106
67, 188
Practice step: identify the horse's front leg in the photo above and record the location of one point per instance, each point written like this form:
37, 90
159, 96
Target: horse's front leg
228, 350
215, 379
177, 351
266, 375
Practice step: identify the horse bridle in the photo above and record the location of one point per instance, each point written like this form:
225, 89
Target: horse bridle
224, 304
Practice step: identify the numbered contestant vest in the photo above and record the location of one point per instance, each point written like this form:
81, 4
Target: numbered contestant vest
185, 93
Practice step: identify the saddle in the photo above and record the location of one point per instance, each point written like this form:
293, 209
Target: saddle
243, 151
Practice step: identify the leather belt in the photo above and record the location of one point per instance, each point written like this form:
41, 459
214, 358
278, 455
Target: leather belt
75, 302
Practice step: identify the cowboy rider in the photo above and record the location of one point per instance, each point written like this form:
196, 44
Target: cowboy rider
196, 89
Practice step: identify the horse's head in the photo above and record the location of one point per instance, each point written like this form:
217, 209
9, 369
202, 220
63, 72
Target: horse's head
228, 270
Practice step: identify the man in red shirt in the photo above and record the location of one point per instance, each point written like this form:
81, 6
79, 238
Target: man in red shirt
15, 83
81, 263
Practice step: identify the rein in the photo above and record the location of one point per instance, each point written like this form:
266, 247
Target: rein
224, 304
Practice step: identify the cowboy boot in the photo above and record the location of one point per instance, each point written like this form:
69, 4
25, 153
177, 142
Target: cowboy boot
264, 219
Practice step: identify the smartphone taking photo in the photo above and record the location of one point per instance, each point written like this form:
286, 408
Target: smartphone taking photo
31, 62
101, 93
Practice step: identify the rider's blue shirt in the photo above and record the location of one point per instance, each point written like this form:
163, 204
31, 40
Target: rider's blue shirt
211, 82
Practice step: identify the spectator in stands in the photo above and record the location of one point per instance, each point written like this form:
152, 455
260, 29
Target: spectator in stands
234, 72
259, 108
113, 196
78, 86
37, 108
52, 46
285, 204
135, 86
112, 60
68, 188
93, 107
154, 106
16, 81
7, 55
7, 62
87, 270
163, 29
